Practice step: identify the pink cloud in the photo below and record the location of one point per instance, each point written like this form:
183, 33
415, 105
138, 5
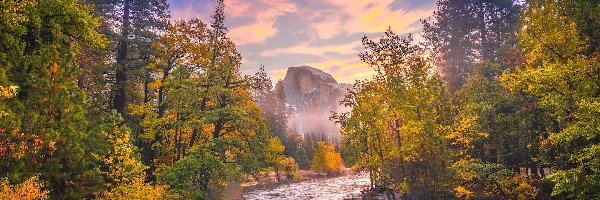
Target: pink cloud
262, 27
237, 8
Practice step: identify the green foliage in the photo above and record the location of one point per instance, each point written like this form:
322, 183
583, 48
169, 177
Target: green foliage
475, 178
120, 161
201, 127
464, 33
492, 180
393, 126
122, 168
561, 69
202, 174
41, 41
131, 26
504, 116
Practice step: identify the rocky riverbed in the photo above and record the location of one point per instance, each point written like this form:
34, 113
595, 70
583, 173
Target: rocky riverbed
346, 186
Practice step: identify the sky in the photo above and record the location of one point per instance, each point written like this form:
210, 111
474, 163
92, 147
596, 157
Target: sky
325, 34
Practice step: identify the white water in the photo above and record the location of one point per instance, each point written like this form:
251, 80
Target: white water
343, 187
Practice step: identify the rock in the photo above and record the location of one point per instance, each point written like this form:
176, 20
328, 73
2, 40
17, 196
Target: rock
312, 95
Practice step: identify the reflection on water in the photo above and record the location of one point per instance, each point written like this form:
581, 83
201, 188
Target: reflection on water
343, 187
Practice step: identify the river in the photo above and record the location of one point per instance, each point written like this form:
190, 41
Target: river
342, 187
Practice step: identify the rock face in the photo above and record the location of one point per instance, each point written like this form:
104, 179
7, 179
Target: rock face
312, 95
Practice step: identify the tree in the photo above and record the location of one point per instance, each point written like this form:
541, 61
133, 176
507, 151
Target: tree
31, 189
201, 126
122, 168
465, 32
41, 42
404, 103
560, 43
513, 121
179, 52
131, 25
272, 102
476, 178
326, 159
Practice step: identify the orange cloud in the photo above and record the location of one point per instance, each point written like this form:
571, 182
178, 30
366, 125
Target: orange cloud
366, 17
264, 16
253, 33
345, 70
306, 48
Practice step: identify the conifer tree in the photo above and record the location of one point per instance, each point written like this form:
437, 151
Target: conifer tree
41, 42
465, 32
131, 26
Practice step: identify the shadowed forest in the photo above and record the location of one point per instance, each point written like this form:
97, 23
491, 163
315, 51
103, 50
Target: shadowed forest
113, 99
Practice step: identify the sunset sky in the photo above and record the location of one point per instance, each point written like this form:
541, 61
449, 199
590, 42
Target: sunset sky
324, 34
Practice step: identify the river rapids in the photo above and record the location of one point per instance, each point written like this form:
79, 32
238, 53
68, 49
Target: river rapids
343, 187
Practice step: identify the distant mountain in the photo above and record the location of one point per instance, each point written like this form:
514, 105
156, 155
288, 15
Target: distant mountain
312, 95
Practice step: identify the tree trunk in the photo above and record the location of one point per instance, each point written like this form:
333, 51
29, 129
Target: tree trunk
161, 95
121, 69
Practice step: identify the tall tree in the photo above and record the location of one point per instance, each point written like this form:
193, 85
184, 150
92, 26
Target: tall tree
560, 43
201, 125
132, 25
513, 121
41, 41
464, 32
392, 127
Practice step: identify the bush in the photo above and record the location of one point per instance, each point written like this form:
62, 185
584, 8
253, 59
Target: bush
290, 167
490, 180
137, 189
28, 190
326, 159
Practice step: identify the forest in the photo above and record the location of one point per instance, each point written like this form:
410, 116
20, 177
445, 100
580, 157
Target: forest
113, 99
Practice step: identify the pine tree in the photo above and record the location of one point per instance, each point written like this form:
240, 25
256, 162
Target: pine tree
41, 42
465, 32
132, 25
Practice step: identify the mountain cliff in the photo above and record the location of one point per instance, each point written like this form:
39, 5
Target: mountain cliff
312, 95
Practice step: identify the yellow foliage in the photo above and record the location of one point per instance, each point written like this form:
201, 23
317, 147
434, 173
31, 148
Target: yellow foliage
30, 189
462, 192
155, 85
463, 135
290, 167
126, 172
326, 159
518, 187
123, 166
8, 92
137, 189
5, 93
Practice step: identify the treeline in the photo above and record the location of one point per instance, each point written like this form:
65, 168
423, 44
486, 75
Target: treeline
500, 102
110, 100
